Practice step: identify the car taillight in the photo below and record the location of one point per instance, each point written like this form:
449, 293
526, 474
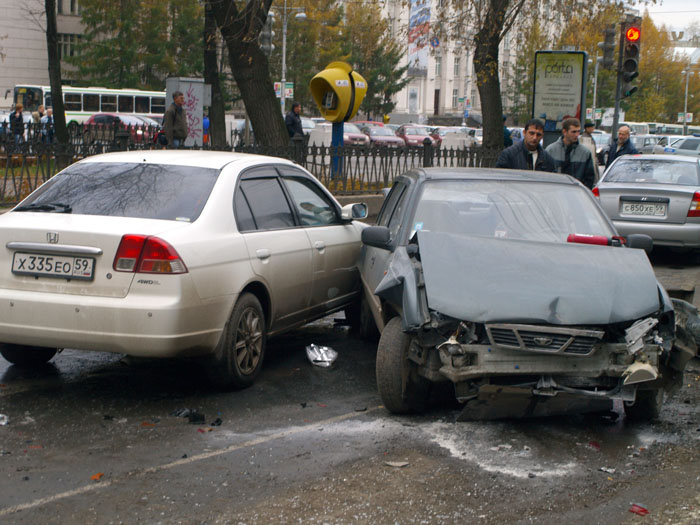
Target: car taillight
596, 192
143, 254
694, 210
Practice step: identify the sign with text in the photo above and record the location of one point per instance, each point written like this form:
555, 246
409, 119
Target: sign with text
559, 91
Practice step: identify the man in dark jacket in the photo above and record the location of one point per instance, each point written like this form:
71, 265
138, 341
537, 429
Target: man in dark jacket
527, 154
293, 121
622, 146
17, 123
570, 157
175, 121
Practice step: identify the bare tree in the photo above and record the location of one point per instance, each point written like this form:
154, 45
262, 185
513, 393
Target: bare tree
240, 24
59, 114
217, 118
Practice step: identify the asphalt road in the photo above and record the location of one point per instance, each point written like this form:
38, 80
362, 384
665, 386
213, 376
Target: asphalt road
95, 438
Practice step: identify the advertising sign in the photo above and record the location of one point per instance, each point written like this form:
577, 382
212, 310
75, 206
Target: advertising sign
418, 35
680, 117
278, 89
559, 91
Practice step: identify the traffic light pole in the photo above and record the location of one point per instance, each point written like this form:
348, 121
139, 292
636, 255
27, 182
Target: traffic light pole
618, 89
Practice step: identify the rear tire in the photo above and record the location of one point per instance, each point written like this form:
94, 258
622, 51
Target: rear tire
27, 356
239, 356
647, 405
401, 388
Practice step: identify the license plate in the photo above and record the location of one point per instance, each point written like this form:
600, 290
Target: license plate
651, 209
62, 266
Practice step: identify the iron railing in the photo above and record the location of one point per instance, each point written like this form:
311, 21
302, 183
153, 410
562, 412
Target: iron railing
32, 158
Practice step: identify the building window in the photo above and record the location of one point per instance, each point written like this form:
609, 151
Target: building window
457, 64
67, 45
438, 66
455, 96
59, 7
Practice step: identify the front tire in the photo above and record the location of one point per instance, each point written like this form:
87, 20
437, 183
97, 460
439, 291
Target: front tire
647, 405
27, 356
401, 388
239, 355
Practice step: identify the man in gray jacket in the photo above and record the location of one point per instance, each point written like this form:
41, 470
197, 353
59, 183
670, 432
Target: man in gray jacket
175, 121
570, 157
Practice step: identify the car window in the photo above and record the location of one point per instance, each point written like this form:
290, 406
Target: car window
653, 171
506, 209
397, 215
267, 202
312, 206
692, 144
244, 217
124, 189
390, 203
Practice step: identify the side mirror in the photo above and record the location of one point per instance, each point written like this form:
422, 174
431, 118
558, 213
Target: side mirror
357, 210
640, 241
376, 236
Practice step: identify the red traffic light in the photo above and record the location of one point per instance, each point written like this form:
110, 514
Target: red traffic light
632, 34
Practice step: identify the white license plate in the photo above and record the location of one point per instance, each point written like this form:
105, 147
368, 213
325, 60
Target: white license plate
651, 209
63, 266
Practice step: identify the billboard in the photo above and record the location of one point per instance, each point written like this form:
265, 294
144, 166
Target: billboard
418, 37
559, 91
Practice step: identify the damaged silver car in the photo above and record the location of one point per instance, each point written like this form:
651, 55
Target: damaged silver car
515, 287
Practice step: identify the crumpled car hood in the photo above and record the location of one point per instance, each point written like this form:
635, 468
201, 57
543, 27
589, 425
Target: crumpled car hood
487, 280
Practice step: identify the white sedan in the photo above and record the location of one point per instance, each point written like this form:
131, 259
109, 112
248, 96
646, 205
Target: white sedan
174, 254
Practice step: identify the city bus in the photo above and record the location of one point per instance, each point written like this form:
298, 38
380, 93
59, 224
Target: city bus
659, 128
81, 102
636, 128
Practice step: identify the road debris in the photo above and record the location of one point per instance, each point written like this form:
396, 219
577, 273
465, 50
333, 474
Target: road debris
609, 470
638, 509
97, 477
217, 422
396, 464
4, 420
322, 356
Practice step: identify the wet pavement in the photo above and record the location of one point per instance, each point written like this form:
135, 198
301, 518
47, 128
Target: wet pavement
97, 438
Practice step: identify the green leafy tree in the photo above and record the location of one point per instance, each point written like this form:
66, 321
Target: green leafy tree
139, 43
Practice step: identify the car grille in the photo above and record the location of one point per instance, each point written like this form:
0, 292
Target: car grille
544, 339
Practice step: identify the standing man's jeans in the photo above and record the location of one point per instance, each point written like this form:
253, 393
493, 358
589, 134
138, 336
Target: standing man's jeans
177, 143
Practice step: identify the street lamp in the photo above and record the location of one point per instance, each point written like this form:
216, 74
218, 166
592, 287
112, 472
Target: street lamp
687, 72
300, 15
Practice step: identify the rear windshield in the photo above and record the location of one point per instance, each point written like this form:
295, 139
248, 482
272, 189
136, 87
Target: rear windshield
148, 191
536, 211
652, 171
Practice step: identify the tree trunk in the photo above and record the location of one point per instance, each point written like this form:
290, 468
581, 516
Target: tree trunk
59, 114
249, 66
486, 43
217, 117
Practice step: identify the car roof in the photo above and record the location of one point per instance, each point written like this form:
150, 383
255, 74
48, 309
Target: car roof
674, 158
200, 158
499, 174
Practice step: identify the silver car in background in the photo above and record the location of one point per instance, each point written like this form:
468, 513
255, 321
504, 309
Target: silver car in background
657, 195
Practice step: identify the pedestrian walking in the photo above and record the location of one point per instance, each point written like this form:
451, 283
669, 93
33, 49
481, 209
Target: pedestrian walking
570, 157
587, 140
622, 146
175, 121
529, 153
38, 114
47, 129
17, 123
293, 121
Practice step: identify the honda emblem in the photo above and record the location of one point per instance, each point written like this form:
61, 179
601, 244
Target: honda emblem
52, 237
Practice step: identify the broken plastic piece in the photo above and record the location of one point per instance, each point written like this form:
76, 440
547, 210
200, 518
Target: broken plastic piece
396, 464
639, 372
638, 509
322, 356
634, 335
609, 470
4, 420
217, 422
97, 477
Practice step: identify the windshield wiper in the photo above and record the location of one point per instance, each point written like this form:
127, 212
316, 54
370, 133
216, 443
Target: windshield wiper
55, 207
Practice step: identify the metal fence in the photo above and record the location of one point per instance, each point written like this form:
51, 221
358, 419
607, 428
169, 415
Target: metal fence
32, 158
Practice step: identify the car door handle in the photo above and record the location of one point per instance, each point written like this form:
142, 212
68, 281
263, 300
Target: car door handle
320, 245
263, 254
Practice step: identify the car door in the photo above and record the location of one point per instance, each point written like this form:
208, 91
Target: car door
278, 249
335, 244
375, 261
